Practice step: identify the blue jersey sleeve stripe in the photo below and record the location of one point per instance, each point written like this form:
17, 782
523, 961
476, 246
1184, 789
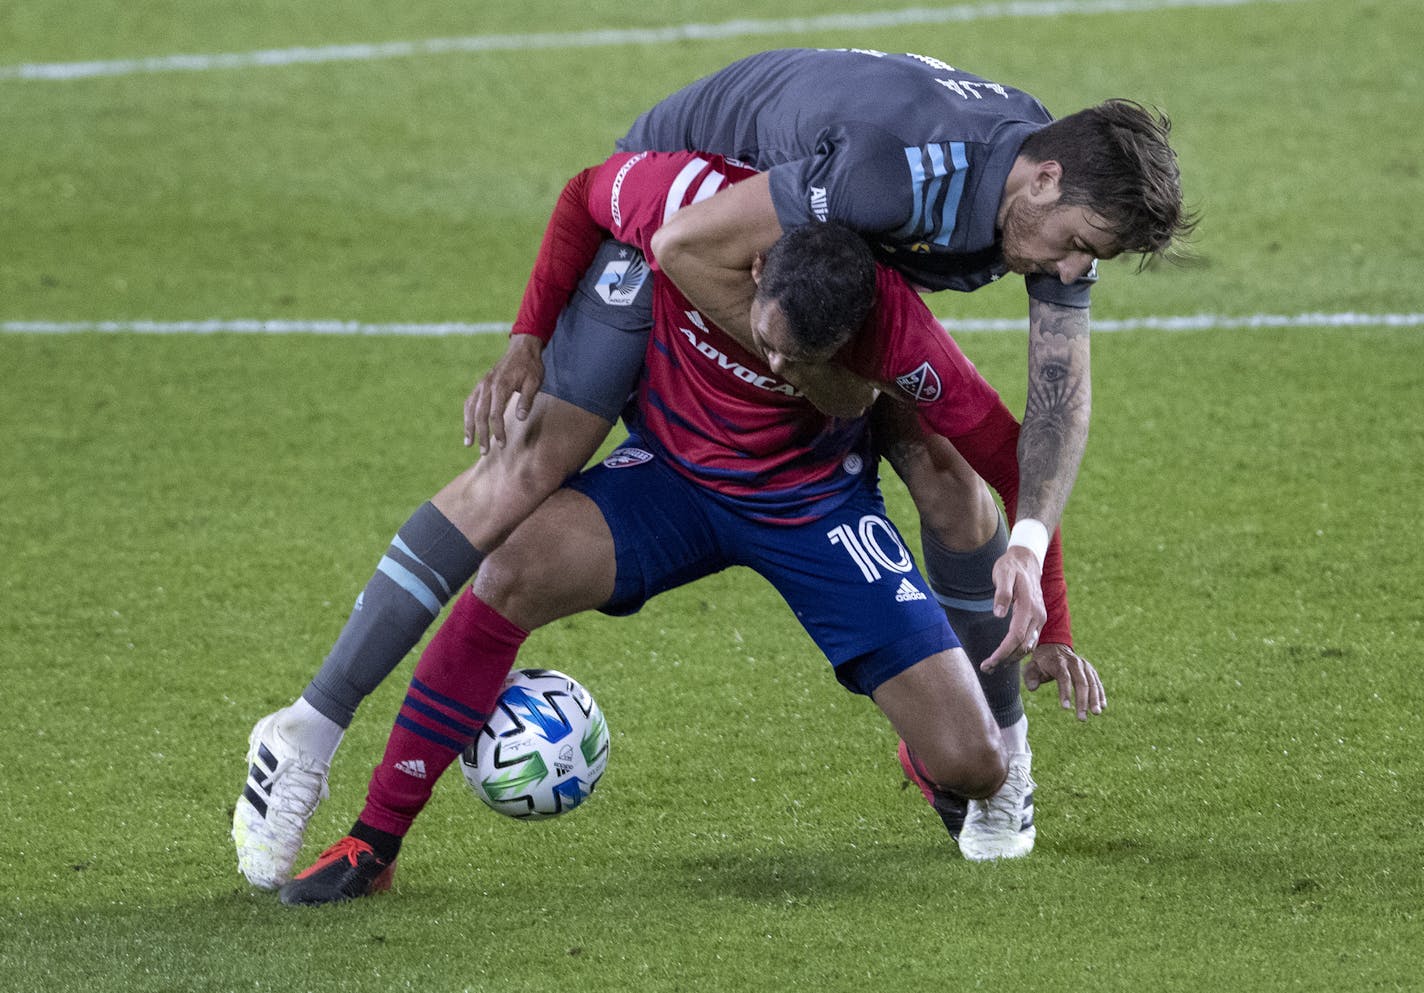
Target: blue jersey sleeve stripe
915, 158
936, 190
959, 156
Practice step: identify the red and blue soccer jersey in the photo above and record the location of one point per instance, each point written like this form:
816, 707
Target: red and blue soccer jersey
717, 412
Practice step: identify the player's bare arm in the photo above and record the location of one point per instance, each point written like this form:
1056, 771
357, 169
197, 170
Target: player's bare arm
1051, 444
707, 250
1055, 422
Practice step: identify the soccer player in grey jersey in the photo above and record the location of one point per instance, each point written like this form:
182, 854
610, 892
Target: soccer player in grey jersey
904, 148
953, 179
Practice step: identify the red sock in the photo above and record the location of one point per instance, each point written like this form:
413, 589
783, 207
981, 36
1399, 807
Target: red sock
456, 683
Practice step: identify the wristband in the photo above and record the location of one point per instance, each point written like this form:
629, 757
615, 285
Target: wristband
1033, 535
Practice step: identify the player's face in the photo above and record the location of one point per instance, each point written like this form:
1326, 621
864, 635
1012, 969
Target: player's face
774, 340
1055, 240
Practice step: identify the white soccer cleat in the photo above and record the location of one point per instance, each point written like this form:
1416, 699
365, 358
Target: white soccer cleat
283, 788
1001, 827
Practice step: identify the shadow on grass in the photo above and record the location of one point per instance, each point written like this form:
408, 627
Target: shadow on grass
786, 875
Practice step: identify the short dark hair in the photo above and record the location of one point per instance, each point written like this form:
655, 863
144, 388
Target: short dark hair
1117, 162
822, 276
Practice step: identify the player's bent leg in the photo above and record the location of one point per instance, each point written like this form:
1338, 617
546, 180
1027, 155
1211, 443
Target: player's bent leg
435, 553
590, 367
959, 562
491, 498
936, 708
1000, 826
963, 535
560, 561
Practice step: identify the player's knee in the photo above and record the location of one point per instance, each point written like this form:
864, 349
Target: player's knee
520, 480
503, 581
488, 501
974, 769
986, 768
961, 515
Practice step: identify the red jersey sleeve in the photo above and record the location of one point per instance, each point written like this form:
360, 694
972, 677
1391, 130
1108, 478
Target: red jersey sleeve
570, 242
910, 354
628, 197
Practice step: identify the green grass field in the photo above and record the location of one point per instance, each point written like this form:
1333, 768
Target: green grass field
185, 520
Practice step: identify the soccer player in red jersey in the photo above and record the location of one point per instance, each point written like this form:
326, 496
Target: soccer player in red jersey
959, 181
729, 463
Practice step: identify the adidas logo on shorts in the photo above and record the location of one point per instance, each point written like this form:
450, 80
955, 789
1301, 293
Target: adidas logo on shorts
907, 592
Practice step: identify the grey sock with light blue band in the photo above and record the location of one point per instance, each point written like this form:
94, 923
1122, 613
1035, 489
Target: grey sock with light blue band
963, 583
427, 562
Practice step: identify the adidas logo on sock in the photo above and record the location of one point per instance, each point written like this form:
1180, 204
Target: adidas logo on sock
412, 767
907, 592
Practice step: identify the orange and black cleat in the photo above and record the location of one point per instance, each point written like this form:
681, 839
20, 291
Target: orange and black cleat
345, 871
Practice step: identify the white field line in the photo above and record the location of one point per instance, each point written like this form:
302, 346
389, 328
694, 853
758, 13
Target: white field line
1192, 322
743, 28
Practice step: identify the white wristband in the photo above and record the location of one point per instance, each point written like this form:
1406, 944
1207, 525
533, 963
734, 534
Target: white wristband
1033, 535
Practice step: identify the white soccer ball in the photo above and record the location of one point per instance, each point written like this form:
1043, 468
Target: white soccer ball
542, 751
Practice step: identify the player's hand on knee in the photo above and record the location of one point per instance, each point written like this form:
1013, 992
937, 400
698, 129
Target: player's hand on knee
1079, 685
1018, 587
520, 370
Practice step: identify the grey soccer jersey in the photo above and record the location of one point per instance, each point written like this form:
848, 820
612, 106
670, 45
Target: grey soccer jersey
904, 148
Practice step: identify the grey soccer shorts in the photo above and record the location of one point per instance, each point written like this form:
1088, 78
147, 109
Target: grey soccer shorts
596, 353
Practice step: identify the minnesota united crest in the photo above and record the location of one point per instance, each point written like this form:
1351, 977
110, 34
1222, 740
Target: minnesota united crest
923, 384
621, 281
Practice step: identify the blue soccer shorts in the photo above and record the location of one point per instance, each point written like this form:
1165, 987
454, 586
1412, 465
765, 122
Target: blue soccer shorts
848, 576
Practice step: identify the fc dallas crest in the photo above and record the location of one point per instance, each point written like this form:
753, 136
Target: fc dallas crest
922, 385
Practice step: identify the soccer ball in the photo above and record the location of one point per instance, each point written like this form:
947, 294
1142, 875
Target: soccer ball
542, 751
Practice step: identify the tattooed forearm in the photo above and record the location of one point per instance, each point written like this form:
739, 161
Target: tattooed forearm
1055, 424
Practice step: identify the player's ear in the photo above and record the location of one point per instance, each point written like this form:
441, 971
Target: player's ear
758, 264
1045, 185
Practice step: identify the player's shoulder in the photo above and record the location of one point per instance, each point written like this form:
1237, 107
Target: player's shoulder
896, 296
904, 325
677, 179
899, 324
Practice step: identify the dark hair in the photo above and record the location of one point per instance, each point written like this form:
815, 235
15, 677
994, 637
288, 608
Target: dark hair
1117, 162
822, 276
